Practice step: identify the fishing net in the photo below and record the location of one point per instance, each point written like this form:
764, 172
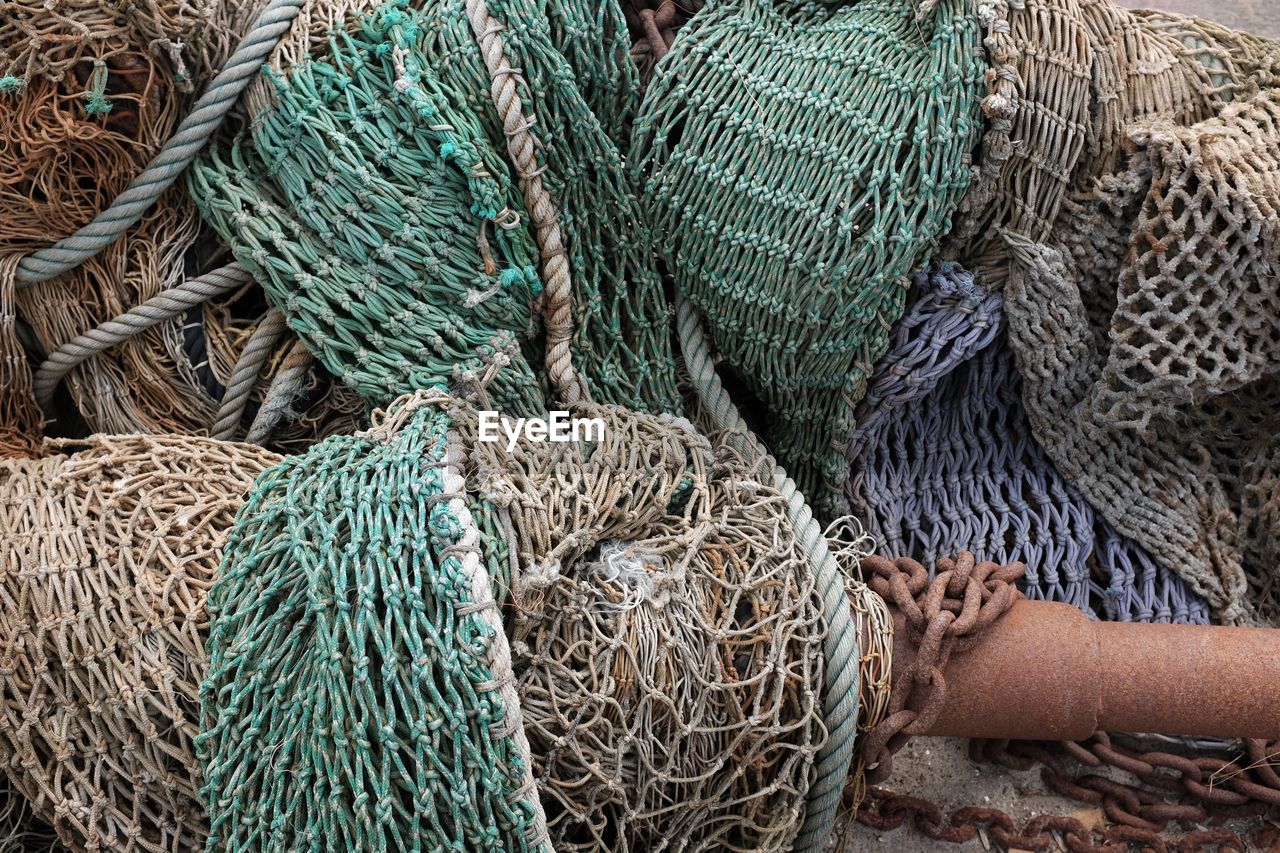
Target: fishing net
109, 547
798, 161
1159, 400
65, 158
1068, 79
1133, 198
664, 635
20, 830
943, 461
375, 200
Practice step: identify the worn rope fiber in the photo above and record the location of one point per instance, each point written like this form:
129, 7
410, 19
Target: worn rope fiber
163, 306
239, 387
841, 696
63, 162
286, 387
558, 287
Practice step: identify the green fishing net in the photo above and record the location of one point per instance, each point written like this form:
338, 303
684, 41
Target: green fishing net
665, 641
800, 159
374, 201
359, 693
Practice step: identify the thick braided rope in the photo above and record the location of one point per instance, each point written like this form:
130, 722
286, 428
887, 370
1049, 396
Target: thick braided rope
841, 647
245, 374
486, 607
156, 310
558, 287
173, 159
286, 386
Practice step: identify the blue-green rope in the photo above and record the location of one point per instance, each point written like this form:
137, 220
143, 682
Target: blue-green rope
841, 648
173, 159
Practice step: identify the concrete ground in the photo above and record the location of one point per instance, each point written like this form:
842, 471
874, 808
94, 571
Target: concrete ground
938, 769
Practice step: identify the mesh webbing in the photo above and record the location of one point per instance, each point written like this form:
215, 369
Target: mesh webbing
375, 203
943, 461
665, 636
96, 89
109, 546
1152, 382
800, 160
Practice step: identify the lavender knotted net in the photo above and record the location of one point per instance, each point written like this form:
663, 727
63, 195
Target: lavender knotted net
943, 461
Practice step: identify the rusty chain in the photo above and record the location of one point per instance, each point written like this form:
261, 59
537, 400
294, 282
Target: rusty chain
1169, 787
884, 810
656, 22
943, 616
946, 615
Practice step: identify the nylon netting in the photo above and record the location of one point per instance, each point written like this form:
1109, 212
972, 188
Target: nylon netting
1068, 81
109, 549
665, 638
944, 461
799, 160
1133, 198
374, 199
95, 89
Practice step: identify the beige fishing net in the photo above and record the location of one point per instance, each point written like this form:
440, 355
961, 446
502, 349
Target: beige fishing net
109, 549
665, 634
1068, 80
1134, 219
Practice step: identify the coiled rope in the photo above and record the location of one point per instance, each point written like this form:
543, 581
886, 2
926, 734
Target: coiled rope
176, 155
243, 376
156, 310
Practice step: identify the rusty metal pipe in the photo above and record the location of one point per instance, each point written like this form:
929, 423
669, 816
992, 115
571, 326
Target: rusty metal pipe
1044, 671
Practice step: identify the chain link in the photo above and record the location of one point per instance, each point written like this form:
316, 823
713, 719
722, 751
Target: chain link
943, 615
1169, 788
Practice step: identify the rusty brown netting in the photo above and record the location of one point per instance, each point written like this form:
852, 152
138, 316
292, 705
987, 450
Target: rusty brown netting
96, 89
109, 549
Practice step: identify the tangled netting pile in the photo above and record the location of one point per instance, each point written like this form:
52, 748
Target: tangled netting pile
1141, 253
109, 548
407, 637
799, 160
943, 461
665, 641
90, 91
376, 204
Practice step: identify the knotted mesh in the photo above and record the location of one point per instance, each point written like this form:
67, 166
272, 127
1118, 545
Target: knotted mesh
798, 161
665, 638
1152, 383
374, 199
97, 88
1068, 80
944, 461
1133, 201
110, 546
